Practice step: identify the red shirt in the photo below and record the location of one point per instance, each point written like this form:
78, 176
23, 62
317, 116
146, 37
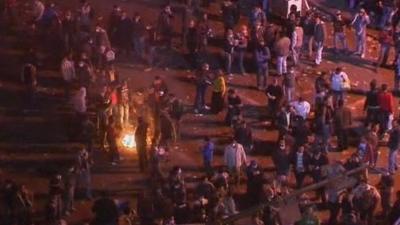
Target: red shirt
385, 100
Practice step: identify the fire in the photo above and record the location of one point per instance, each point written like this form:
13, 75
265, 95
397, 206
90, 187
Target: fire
128, 141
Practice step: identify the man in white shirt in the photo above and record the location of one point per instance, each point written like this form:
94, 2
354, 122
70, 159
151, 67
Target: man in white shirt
68, 72
301, 107
235, 158
339, 83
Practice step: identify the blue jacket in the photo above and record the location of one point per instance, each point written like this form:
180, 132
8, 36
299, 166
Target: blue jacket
262, 56
208, 151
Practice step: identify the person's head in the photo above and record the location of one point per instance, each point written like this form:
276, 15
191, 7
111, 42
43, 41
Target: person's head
192, 23
338, 69
362, 12
275, 81
338, 15
300, 99
206, 139
204, 16
384, 87
124, 15
300, 149
282, 144
317, 18
220, 73
372, 84
229, 33
231, 92
205, 67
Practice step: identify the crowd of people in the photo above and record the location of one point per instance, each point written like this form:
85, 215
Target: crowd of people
85, 45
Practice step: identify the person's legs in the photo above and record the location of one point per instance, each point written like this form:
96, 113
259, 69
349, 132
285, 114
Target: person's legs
343, 40
279, 65
284, 64
336, 39
363, 44
228, 62
318, 58
358, 44
392, 160
241, 61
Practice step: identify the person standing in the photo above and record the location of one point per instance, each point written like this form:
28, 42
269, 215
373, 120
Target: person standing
397, 73
342, 121
282, 50
84, 175
319, 38
284, 121
297, 42
176, 111
165, 26
371, 105
274, 94
123, 104
339, 84
235, 158
234, 107
263, 55
229, 47
141, 143
339, 35
111, 137
385, 42
360, 23
394, 145
308, 25
138, 36
202, 82
219, 90
208, 154
300, 161
69, 193
385, 187
242, 39
289, 84
385, 100
68, 73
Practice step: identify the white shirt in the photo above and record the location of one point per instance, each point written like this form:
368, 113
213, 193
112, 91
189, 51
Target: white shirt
302, 108
68, 69
79, 101
337, 81
234, 156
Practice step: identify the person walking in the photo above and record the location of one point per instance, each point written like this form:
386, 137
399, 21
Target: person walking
235, 158
396, 82
319, 38
141, 143
360, 23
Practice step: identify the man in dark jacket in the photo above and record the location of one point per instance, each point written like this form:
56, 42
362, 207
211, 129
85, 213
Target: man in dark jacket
342, 122
165, 25
371, 105
263, 55
319, 38
300, 161
284, 121
243, 135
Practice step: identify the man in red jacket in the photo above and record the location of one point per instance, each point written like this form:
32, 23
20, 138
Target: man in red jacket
385, 100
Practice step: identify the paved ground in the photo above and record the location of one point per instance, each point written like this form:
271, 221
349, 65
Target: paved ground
34, 144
